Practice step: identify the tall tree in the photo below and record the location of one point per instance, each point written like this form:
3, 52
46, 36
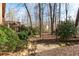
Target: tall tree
66, 9
36, 14
52, 20
42, 12
59, 11
39, 5
55, 13
77, 18
28, 15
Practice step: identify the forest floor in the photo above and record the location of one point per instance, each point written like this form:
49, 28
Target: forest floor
63, 51
49, 46
46, 42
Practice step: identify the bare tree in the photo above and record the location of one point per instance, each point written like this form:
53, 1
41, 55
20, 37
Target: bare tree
77, 18
28, 15
66, 9
52, 18
36, 14
39, 5
42, 16
59, 11
55, 15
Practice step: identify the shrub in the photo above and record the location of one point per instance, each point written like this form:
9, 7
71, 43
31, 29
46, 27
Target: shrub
9, 40
28, 31
35, 31
65, 30
23, 35
24, 28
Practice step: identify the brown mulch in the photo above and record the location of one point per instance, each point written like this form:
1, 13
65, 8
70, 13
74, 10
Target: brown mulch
62, 51
18, 53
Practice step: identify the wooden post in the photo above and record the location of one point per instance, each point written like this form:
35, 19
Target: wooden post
0, 13
3, 11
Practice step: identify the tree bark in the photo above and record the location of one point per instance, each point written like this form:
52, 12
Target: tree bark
52, 18
59, 12
42, 12
40, 17
28, 15
77, 19
66, 10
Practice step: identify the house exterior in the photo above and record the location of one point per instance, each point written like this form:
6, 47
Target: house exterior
12, 24
0, 13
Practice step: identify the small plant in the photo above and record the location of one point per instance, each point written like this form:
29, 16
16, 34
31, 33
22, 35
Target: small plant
23, 35
24, 28
9, 40
35, 31
66, 30
28, 31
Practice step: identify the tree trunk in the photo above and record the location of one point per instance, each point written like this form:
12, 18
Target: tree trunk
40, 17
77, 19
52, 20
42, 10
59, 12
28, 15
55, 17
66, 10
36, 15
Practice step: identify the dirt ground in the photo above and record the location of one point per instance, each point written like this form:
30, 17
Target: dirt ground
42, 47
62, 51
48, 46
46, 42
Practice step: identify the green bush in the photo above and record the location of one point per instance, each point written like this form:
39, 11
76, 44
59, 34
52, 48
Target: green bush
9, 40
66, 30
23, 35
35, 31
24, 28
28, 31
